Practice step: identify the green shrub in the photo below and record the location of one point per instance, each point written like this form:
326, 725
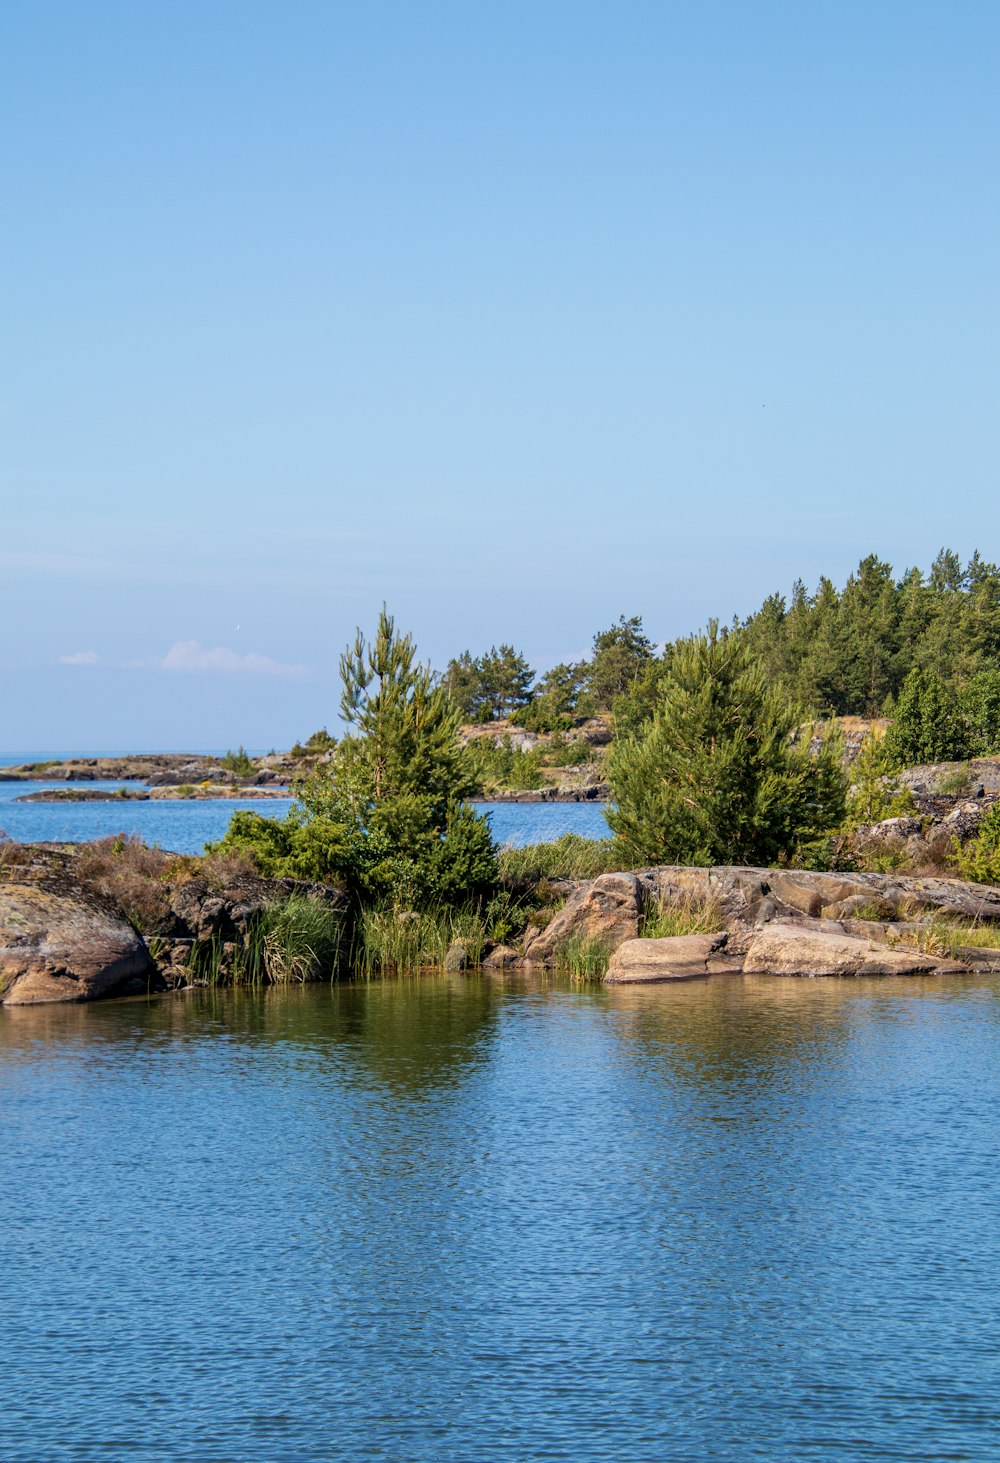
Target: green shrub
979, 860
926, 724
875, 794
239, 762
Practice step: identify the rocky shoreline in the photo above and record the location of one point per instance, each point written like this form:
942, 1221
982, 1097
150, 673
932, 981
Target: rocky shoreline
66, 936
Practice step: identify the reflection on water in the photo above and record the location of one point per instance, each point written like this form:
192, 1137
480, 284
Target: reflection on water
463, 1218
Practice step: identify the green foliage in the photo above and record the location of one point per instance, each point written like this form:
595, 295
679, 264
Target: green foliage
292, 941
874, 793
620, 655
495, 686
569, 857
239, 762
926, 725
693, 915
584, 957
718, 776
496, 765
979, 860
386, 818
317, 744
564, 752
847, 651
979, 706
560, 699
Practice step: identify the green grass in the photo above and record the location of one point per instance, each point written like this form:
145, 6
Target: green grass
292, 941
399, 942
689, 915
569, 857
584, 957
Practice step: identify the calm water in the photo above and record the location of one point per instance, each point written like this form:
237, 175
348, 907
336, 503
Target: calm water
186, 826
463, 1219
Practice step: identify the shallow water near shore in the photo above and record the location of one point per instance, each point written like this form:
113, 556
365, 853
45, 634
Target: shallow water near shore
463, 1218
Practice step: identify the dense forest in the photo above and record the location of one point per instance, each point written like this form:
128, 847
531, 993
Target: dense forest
833, 651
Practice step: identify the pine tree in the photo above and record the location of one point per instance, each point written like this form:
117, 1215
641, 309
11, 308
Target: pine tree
718, 776
926, 724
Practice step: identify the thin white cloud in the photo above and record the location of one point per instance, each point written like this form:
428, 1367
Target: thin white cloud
80, 657
191, 656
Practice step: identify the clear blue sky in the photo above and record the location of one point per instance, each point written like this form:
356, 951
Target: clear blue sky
518, 316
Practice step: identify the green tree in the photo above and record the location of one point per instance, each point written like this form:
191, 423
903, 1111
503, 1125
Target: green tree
507, 679
386, 816
463, 681
979, 860
874, 793
926, 724
620, 654
979, 708
719, 776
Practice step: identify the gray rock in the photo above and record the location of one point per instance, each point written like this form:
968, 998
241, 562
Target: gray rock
607, 909
457, 957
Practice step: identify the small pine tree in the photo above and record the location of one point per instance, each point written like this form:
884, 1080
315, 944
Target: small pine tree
874, 793
927, 726
718, 775
979, 860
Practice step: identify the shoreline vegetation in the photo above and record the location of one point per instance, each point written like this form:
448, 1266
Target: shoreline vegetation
814, 790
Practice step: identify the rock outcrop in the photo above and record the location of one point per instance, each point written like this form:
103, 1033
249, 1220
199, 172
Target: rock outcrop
675, 957
822, 947
62, 944
605, 909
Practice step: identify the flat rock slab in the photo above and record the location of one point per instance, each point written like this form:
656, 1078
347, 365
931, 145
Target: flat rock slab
807, 948
56, 947
676, 957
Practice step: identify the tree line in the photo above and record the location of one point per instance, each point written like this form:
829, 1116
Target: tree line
840, 652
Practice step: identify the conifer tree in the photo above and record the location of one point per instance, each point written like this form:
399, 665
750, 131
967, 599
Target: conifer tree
718, 775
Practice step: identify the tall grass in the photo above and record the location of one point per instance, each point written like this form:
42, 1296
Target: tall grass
293, 940
584, 957
690, 914
569, 857
399, 942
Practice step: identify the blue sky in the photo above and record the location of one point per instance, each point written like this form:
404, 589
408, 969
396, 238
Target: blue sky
515, 316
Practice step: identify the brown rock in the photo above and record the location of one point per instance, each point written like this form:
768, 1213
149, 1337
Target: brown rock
677, 957
606, 909
502, 957
63, 947
812, 948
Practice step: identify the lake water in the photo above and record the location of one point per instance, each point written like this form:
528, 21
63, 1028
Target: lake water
455, 1219
185, 826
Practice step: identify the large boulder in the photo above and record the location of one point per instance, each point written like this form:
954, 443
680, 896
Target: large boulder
64, 946
676, 957
823, 947
605, 909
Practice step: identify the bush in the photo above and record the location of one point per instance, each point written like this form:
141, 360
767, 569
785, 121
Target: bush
979, 705
239, 762
132, 876
979, 860
874, 794
719, 775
